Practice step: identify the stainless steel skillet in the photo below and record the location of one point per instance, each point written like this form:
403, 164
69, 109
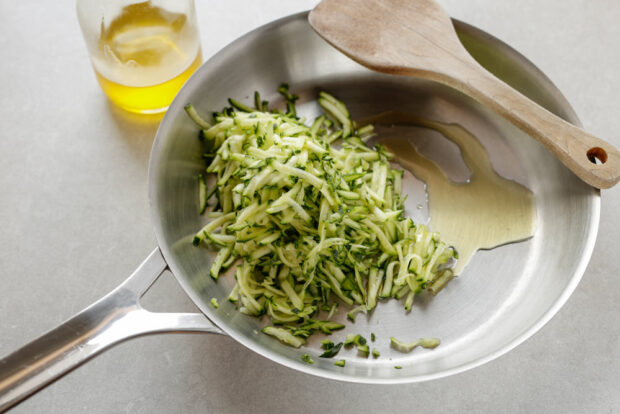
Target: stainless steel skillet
503, 297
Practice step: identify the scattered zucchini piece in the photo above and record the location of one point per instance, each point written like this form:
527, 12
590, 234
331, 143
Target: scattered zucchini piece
354, 339
327, 344
202, 193
359, 341
257, 101
364, 350
306, 358
214, 303
191, 111
332, 310
238, 105
324, 326
408, 347
350, 339
339, 363
429, 343
376, 353
284, 336
397, 367
372, 337
333, 351
352, 314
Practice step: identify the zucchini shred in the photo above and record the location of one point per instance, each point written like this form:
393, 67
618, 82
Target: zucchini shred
306, 223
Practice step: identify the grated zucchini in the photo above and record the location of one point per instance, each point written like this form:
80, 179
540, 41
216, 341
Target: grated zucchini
309, 223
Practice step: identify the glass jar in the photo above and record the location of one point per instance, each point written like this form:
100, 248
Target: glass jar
142, 52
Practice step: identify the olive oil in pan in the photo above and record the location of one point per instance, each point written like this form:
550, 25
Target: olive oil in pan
484, 212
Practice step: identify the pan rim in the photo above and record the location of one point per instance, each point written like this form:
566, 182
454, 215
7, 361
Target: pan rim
588, 245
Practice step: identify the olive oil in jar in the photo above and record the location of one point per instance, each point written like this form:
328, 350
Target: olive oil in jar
144, 55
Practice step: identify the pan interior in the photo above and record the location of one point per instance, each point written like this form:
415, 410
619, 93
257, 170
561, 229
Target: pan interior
502, 297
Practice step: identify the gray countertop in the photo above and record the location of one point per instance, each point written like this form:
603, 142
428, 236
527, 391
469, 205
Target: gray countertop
75, 223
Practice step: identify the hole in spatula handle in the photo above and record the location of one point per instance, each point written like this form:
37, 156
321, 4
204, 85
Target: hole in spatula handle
597, 155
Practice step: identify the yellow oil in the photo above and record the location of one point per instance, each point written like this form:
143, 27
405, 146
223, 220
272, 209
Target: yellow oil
484, 212
145, 55
146, 99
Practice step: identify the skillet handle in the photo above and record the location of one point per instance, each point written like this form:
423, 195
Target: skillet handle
116, 317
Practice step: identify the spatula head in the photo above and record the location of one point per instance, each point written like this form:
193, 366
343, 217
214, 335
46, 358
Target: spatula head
392, 36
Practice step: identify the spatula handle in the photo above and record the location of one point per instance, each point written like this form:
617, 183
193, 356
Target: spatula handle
593, 160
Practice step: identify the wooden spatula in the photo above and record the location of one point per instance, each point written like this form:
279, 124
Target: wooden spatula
416, 38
